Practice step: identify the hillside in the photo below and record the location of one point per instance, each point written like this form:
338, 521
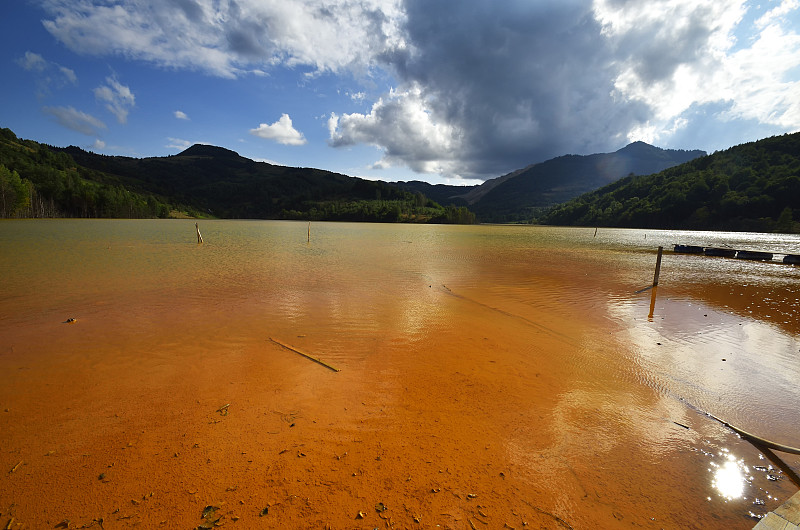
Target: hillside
752, 187
39, 181
203, 180
566, 177
224, 184
519, 195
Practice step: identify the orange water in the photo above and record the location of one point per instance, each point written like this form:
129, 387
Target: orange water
500, 375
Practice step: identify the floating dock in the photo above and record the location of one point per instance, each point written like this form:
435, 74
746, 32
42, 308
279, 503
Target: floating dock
754, 255
785, 517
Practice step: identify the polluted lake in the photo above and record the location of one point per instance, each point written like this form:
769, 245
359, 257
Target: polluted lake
364, 375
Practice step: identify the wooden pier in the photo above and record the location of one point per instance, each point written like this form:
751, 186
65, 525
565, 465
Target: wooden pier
785, 517
753, 255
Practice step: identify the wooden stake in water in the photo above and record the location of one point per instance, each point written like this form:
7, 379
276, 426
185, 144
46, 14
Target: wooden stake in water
309, 231
658, 266
652, 303
199, 237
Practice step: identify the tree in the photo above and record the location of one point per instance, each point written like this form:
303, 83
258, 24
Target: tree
784, 223
13, 192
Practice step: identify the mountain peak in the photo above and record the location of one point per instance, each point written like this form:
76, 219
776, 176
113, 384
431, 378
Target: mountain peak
639, 147
206, 150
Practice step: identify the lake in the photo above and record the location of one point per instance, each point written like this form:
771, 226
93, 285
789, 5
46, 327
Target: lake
486, 374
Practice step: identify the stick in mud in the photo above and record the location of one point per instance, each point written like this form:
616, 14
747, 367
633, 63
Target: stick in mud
199, 237
307, 356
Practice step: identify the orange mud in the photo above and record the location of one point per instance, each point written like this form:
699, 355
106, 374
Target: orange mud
504, 414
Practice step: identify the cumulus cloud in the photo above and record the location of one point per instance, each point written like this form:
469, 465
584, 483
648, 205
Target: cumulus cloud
181, 115
118, 98
401, 124
282, 131
98, 145
49, 74
76, 120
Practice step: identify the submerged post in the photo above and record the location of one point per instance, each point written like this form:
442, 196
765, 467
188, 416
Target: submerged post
199, 237
658, 266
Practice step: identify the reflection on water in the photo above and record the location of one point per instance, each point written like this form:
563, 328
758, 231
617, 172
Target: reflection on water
729, 477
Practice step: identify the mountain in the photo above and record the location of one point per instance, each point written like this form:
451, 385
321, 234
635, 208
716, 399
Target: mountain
519, 195
224, 184
203, 180
753, 187
539, 186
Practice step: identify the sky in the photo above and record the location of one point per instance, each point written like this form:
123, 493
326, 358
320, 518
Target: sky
444, 91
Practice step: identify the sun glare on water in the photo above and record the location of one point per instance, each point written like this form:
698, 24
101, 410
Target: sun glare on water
729, 478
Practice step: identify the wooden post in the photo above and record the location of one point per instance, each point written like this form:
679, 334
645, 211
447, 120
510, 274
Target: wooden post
199, 237
658, 266
309, 232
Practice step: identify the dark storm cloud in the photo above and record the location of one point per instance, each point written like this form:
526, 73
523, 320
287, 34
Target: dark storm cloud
522, 81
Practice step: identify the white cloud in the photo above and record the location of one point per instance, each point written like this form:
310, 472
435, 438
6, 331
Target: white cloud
786, 7
98, 145
32, 62
282, 131
179, 144
76, 120
230, 38
181, 115
751, 78
117, 97
403, 126
68, 74
49, 74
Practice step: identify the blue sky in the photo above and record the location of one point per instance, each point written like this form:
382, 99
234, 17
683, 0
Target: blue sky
437, 90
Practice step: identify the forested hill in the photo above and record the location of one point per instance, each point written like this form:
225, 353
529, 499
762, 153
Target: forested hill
750, 187
520, 195
43, 181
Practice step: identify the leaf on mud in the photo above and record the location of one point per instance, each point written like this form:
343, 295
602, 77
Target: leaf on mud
209, 510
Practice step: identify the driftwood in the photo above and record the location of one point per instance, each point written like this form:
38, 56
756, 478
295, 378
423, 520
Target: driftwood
307, 356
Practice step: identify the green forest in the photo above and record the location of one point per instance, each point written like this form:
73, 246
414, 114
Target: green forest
750, 187
37, 180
